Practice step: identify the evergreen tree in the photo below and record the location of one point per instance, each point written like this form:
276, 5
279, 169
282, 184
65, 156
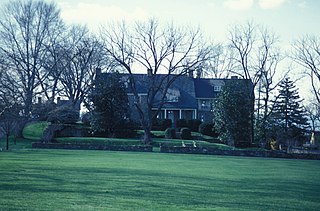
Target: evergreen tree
289, 116
232, 114
109, 107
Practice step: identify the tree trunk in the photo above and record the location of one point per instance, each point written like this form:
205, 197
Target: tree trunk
7, 140
147, 136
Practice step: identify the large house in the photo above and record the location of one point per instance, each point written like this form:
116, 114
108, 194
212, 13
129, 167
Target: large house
187, 98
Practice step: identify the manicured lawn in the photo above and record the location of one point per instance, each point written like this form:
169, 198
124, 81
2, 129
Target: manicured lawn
34, 130
110, 141
102, 180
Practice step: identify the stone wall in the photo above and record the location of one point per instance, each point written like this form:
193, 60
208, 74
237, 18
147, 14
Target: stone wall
182, 150
84, 146
247, 153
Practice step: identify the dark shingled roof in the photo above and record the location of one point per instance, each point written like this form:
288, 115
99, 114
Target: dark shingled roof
204, 87
184, 84
190, 89
187, 98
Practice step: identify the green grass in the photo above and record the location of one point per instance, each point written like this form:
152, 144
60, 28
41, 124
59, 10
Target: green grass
109, 141
102, 180
155, 141
34, 131
20, 144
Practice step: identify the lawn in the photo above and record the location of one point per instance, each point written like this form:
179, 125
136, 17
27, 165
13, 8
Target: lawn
34, 130
103, 180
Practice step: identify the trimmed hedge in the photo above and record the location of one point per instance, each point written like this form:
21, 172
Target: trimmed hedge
181, 123
170, 133
193, 124
161, 124
208, 129
185, 133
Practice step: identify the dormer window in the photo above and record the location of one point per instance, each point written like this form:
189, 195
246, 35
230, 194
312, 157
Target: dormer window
217, 88
172, 95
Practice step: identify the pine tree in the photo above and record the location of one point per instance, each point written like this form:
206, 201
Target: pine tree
289, 116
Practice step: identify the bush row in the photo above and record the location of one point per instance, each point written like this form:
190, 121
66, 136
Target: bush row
185, 133
163, 124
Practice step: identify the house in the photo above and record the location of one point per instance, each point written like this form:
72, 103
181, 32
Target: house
187, 97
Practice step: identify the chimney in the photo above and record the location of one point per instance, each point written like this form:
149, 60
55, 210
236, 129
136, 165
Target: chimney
149, 72
190, 73
58, 100
39, 100
98, 71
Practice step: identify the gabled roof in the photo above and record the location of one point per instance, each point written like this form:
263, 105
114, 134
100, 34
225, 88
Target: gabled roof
187, 99
189, 89
184, 84
204, 87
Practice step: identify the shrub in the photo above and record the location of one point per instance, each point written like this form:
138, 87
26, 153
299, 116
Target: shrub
170, 133
50, 132
180, 123
127, 130
165, 123
185, 133
125, 133
73, 131
208, 129
41, 111
63, 115
193, 124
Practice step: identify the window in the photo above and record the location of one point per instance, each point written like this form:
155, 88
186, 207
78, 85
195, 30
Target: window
217, 88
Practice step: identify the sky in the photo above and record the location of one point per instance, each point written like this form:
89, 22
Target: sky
288, 19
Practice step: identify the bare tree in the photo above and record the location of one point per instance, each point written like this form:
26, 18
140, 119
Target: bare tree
25, 28
53, 65
257, 58
221, 63
313, 111
307, 54
80, 55
168, 51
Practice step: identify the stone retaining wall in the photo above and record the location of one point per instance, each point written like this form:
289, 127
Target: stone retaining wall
247, 153
182, 150
84, 146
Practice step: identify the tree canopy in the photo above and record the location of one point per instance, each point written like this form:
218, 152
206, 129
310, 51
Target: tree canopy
109, 104
289, 116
